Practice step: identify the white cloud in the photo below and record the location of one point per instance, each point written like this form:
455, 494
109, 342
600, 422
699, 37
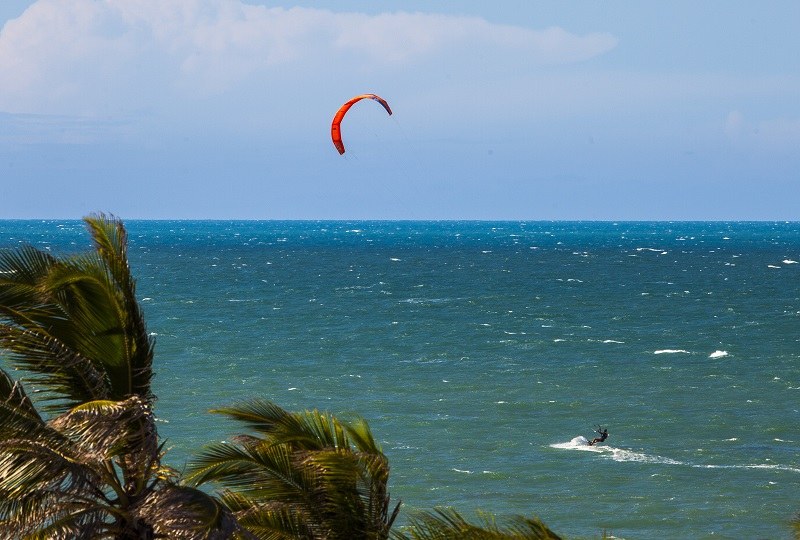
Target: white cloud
84, 57
401, 37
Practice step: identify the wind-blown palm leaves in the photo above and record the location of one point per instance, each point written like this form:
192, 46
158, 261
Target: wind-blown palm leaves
448, 524
75, 322
94, 470
302, 475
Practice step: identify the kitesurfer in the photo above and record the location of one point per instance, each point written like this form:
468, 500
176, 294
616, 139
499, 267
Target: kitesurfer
603, 436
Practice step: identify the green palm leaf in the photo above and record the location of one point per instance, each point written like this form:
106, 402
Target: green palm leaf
308, 467
74, 322
110, 240
275, 520
264, 417
448, 524
68, 377
257, 471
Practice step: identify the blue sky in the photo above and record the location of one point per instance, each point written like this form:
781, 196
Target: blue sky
513, 109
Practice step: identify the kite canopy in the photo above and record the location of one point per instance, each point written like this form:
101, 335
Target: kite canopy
336, 132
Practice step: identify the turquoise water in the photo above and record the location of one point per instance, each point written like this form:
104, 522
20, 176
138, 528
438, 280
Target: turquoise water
478, 351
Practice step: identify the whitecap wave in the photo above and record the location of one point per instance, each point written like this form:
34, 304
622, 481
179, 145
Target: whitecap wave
426, 301
620, 454
718, 354
789, 261
768, 466
577, 443
624, 455
671, 351
405, 447
616, 454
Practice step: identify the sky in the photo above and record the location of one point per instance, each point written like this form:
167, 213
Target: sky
504, 110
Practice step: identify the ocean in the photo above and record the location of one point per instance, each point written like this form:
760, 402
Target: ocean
480, 353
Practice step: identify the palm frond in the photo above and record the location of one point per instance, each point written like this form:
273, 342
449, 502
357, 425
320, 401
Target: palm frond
64, 519
96, 317
70, 377
260, 472
361, 437
105, 429
448, 524
30, 323
307, 430
21, 271
38, 465
278, 521
17, 413
75, 322
111, 243
260, 415
182, 512
274, 520
351, 491
309, 465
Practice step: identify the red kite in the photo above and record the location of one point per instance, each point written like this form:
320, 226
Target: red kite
336, 132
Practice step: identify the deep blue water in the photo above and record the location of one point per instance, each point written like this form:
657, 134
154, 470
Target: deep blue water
478, 351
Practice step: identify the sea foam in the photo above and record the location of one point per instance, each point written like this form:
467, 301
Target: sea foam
581, 443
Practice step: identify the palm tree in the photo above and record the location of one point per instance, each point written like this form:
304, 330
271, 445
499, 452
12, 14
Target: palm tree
93, 469
305, 475
448, 524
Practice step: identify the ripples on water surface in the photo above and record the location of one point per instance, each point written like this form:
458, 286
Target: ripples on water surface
478, 352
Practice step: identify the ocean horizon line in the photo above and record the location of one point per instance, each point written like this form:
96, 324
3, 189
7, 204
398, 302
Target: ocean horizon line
400, 220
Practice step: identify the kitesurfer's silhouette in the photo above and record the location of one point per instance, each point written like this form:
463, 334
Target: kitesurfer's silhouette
603, 436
